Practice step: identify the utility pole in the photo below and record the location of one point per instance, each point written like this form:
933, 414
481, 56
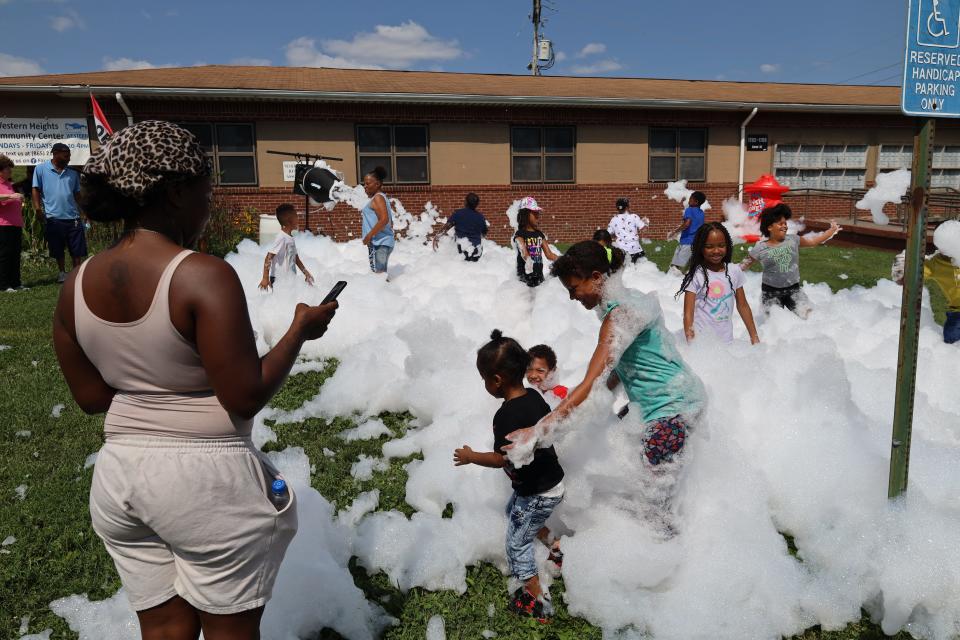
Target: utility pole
535, 17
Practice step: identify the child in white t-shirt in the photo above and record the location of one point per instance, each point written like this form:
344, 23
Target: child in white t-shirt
626, 229
282, 259
712, 287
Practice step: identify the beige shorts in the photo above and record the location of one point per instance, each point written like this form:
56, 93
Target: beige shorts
681, 255
191, 518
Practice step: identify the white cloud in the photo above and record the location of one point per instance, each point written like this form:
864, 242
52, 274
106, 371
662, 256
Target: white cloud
303, 52
769, 68
14, 66
561, 56
591, 49
129, 64
391, 47
602, 66
71, 20
250, 62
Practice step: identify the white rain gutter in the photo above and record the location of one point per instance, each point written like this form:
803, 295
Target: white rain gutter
448, 98
126, 109
743, 149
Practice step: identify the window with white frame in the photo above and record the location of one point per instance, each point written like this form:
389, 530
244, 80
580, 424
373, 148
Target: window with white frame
834, 167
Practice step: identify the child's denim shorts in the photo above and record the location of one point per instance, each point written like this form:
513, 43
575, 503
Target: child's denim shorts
526, 515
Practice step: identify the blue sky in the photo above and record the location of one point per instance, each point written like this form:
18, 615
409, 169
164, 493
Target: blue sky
836, 41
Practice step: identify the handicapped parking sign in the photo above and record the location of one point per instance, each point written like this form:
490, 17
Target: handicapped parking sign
931, 70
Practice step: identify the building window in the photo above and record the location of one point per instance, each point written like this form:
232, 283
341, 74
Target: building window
946, 162
678, 154
542, 154
231, 148
400, 149
829, 167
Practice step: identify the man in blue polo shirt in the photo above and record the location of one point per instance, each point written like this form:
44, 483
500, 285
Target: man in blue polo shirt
55, 187
469, 226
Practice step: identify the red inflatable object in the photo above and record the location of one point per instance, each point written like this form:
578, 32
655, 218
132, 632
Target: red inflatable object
765, 192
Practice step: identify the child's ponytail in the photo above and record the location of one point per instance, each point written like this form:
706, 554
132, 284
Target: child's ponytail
583, 258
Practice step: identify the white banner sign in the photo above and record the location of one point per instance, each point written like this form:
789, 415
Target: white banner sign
27, 141
290, 170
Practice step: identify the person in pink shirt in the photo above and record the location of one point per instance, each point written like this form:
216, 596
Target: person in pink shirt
11, 228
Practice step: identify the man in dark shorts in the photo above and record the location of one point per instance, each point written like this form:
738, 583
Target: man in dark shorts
55, 186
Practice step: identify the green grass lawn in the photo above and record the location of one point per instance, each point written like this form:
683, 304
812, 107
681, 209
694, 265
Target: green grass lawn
56, 552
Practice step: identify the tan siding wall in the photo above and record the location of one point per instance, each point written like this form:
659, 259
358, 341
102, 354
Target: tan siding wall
611, 155
723, 154
469, 153
327, 138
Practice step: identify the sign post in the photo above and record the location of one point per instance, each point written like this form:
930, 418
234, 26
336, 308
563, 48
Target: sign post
931, 89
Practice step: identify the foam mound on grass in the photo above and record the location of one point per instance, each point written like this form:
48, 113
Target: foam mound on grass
795, 439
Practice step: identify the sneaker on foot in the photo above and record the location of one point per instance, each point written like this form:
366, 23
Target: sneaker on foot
556, 557
525, 604
61, 277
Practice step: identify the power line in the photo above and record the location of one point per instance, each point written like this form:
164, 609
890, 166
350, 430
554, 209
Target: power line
876, 82
891, 66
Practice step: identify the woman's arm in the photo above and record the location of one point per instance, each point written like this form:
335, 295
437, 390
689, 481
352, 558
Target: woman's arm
242, 380
379, 206
820, 238
747, 262
746, 313
689, 305
91, 393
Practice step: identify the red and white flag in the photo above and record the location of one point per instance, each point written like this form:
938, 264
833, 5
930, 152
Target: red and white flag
103, 127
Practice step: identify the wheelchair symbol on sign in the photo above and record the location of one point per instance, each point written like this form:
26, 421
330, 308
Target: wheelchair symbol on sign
936, 18
938, 24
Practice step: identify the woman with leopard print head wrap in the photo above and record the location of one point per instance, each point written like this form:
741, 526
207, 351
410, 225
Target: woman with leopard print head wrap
158, 337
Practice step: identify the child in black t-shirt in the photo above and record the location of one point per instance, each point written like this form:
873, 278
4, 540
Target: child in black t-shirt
537, 487
531, 243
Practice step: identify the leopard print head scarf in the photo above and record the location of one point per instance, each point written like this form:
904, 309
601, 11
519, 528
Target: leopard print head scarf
137, 158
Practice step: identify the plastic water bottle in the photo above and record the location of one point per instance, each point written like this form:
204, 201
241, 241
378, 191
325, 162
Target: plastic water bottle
279, 495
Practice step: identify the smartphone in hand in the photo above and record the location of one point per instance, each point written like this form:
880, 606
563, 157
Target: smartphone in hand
334, 292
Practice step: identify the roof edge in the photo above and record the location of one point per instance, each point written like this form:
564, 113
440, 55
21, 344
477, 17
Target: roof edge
446, 98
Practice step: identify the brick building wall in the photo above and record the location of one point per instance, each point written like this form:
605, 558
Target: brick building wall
571, 212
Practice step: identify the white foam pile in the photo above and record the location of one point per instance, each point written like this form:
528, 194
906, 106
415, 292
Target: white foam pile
946, 239
795, 439
678, 192
890, 187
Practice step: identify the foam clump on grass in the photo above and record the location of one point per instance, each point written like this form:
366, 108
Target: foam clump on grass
436, 629
795, 438
367, 431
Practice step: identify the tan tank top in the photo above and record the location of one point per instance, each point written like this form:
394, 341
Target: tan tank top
162, 388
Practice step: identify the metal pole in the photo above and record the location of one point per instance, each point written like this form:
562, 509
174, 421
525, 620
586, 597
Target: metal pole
535, 63
910, 308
